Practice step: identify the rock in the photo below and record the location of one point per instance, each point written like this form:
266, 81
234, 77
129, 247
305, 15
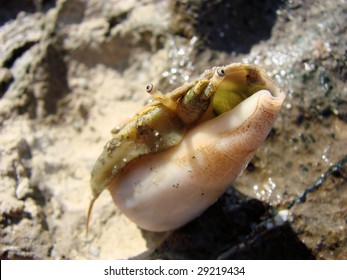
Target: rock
71, 71
233, 27
6, 79
23, 189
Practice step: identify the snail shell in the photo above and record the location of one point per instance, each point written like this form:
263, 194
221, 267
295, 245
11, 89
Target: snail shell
163, 191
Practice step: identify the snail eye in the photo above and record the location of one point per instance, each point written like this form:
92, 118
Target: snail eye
221, 72
149, 88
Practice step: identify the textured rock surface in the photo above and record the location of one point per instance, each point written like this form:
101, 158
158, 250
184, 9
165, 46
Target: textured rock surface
70, 71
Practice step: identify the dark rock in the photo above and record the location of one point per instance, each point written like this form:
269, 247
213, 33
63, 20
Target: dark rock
230, 26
